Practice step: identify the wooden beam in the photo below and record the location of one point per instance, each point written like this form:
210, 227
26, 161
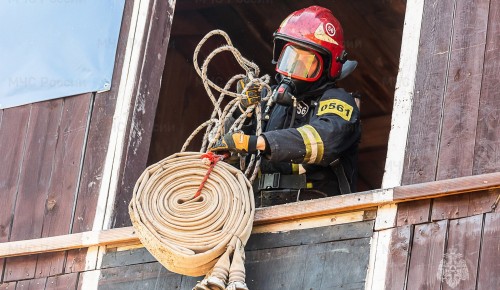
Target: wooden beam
403, 95
446, 187
68, 242
274, 214
357, 201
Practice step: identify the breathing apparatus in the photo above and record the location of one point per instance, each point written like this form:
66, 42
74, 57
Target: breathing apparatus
283, 95
287, 93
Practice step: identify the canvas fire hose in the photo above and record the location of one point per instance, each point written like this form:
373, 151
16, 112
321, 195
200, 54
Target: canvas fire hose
193, 212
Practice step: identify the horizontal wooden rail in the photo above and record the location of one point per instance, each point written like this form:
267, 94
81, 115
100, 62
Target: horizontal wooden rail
360, 200
67, 242
291, 211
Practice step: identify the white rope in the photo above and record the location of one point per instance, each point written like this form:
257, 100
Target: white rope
203, 235
251, 72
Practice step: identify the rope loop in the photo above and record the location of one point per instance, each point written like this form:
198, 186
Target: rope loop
215, 129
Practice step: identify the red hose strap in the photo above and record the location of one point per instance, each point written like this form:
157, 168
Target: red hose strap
213, 158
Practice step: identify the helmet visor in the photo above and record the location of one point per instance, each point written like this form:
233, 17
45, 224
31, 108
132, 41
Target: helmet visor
299, 63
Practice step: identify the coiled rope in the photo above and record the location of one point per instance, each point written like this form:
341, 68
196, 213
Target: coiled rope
202, 230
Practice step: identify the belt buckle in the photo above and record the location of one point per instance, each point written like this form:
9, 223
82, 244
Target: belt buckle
270, 181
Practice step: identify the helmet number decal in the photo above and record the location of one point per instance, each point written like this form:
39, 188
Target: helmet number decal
337, 107
330, 29
323, 35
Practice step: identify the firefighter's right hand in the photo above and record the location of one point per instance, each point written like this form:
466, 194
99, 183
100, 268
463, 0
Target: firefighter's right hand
236, 142
251, 96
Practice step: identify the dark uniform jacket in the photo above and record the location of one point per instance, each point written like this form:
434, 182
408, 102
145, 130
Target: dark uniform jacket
326, 127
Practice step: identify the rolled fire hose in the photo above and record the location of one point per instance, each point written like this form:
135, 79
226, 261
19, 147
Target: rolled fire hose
195, 214
195, 236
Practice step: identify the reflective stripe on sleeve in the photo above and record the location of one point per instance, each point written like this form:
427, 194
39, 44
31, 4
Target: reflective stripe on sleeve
313, 143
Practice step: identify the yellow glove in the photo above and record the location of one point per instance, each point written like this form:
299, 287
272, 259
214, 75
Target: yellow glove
236, 142
252, 94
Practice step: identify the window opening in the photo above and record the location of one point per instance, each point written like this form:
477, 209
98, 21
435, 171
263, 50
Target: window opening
372, 30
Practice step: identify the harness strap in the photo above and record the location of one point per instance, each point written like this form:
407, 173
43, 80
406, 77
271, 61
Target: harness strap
277, 180
339, 171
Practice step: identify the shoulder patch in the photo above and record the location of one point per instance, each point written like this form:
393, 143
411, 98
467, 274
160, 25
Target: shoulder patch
337, 107
302, 109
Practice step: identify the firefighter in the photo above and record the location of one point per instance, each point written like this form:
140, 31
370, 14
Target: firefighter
311, 129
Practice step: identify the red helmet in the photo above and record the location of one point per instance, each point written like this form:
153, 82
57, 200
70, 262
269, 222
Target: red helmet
314, 28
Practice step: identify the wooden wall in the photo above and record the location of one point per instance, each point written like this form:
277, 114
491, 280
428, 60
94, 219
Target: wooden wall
454, 123
329, 258
52, 155
42, 147
453, 133
53, 160
464, 230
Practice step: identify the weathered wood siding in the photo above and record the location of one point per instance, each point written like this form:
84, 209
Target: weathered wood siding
52, 155
334, 257
41, 189
453, 133
53, 158
461, 232
454, 123
146, 94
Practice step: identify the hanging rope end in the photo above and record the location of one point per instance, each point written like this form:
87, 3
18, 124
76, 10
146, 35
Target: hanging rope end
209, 159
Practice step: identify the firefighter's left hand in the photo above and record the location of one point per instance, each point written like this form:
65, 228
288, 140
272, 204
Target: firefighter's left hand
236, 142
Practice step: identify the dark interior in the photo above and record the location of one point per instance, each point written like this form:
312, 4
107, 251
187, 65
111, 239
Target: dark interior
372, 29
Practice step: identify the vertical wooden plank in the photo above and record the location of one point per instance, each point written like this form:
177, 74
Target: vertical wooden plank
8, 286
75, 261
90, 180
324, 270
34, 184
12, 146
187, 282
347, 231
481, 202
467, 204
143, 114
63, 186
423, 135
332, 265
397, 263
427, 251
487, 148
450, 207
62, 282
33, 284
171, 110
489, 267
102, 113
125, 258
142, 276
413, 212
464, 237
461, 106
